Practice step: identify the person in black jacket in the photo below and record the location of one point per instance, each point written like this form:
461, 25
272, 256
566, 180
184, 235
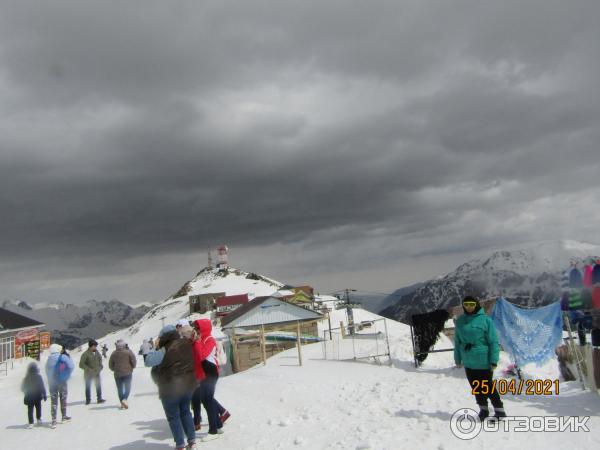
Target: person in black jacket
35, 391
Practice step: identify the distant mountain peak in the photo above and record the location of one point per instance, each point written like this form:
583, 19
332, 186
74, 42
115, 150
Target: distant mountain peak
532, 274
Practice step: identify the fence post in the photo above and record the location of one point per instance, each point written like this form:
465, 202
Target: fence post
412, 340
387, 341
298, 343
236, 352
263, 346
574, 349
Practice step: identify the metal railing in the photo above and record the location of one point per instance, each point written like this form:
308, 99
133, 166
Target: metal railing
364, 341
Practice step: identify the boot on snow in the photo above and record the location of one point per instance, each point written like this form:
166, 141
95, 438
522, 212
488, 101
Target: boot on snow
484, 413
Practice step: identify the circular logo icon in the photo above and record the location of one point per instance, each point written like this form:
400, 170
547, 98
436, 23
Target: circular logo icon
465, 424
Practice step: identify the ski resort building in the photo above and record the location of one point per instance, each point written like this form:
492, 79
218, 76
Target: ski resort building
229, 303
266, 326
204, 303
20, 336
299, 295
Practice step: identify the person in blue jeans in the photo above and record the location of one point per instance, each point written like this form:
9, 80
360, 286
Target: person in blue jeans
207, 373
122, 362
199, 392
173, 371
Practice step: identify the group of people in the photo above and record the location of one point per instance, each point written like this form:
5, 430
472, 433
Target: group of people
185, 366
186, 369
59, 368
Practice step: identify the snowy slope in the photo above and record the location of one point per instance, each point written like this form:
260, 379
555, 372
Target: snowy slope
321, 405
533, 275
233, 282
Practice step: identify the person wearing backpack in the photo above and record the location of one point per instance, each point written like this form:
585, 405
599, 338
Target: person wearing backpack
206, 368
122, 362
91, 363
59, 367
35, 391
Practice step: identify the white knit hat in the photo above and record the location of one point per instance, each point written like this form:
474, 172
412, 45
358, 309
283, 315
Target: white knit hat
56, 348
183, 323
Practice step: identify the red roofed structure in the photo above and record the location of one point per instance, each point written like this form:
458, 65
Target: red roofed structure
229, 303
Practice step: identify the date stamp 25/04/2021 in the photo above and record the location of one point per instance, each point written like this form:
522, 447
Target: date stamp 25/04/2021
516, 387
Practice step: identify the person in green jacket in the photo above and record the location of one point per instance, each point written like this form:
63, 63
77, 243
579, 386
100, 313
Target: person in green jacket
91, 363
476, 348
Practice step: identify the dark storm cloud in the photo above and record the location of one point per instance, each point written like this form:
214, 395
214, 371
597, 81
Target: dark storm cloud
140, 129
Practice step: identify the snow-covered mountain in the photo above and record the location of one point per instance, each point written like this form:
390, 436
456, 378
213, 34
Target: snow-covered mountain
378, 302
208, 280
71, 325
533, 275
323, 404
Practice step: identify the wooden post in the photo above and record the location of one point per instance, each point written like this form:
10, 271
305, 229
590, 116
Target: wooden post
263, 346
342, 331
412, 341
236, 353
574, 349
298, 343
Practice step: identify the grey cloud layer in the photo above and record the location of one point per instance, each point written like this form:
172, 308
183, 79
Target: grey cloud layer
145, 129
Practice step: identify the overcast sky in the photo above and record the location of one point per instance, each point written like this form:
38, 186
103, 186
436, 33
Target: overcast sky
362, 144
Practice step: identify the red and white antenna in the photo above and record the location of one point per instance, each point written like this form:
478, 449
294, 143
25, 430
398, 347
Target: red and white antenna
222, 257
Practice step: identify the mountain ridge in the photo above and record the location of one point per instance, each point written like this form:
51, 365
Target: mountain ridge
533, 275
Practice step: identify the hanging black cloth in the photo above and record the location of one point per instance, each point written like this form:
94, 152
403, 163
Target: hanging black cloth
426, 330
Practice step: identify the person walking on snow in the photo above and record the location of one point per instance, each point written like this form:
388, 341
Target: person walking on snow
207, 373
476, 348
173, 371
91, 363
59, 367
145, 348
35, 391
122, 362
104, 351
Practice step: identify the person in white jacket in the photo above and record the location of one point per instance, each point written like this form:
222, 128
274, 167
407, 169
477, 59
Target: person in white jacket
59, 367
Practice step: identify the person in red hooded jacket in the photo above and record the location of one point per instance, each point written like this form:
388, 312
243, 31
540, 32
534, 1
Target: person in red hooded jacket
207, 373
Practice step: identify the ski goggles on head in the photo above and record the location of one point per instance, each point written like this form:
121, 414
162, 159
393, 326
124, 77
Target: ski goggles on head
469, 303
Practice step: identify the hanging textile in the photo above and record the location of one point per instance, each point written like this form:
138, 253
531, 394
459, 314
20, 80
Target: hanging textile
587, 275
427, 328
586, 298
596, 274
564, 301
530, 335
596, 297
575, 301
575, 278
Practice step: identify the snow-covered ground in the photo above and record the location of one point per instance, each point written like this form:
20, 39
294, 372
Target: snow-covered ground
323, 404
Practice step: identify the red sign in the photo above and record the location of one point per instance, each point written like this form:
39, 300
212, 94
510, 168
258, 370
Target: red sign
26, 335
